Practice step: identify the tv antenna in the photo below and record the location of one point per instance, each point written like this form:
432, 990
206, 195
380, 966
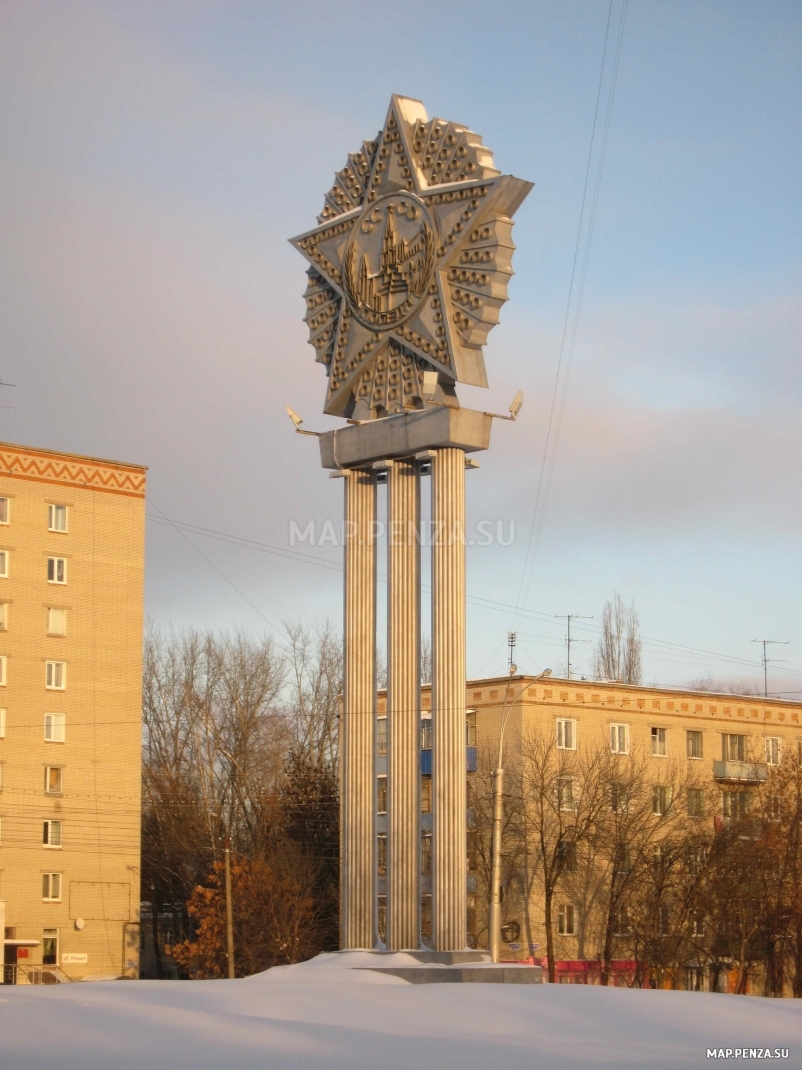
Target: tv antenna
569, 617
766, 659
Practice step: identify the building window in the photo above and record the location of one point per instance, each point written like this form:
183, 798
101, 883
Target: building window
698, 925
2, 672
696, 802
619, 797
4, 556
566, 734
659, 742
565, 793
51, 886
566, 856
619, 738
472, 844
1, 775
3, 616
693, 744
774, 807
733, 748
426, 794
426, 733
661, 799
773, 747
381, 794
470, 728
471, 920
56, 621
55, 675
381, 735
2, 724
57, 570
57, 518
426, 854
55, 724
621, 922
565, 920
697, 856
622, 860
53, 780
382, 855
50, 947
663, 920
734, 803
4, 510
51, 833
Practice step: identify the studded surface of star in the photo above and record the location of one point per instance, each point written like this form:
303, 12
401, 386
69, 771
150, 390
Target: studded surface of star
409, 264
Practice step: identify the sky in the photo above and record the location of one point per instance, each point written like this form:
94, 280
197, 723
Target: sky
156, 157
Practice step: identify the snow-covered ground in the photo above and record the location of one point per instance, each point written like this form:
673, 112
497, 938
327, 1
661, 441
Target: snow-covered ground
322, 1016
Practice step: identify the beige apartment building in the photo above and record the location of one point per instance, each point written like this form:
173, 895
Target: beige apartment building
727, 742
71, 604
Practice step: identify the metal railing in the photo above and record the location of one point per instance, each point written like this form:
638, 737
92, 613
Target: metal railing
23, 974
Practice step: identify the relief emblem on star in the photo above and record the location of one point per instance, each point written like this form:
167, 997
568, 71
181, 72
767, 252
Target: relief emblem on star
409, 265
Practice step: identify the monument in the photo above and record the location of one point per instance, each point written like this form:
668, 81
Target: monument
409, 266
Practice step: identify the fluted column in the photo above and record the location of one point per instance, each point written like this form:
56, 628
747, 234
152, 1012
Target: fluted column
403, 706
448, 699
357, 737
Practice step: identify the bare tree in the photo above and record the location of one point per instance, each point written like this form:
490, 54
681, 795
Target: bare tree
706, 682
563, 797
618, 655
314, 685
240, 743
426, 660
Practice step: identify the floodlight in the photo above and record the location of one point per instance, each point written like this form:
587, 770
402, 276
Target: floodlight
517, 402
296, 419
429, 385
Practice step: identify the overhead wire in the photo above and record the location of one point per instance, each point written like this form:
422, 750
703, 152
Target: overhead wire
478, 600
573, 311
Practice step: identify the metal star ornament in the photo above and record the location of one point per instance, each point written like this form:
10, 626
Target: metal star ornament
409, 265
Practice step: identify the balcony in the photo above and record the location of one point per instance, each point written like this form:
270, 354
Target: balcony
740, 772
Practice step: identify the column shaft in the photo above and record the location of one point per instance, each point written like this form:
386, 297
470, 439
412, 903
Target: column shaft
448, 699
357, 736
403, 706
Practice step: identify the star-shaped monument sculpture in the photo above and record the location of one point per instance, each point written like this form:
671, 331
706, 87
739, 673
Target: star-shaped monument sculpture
410, 263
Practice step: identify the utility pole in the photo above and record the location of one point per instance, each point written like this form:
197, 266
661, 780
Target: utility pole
229, 913
766, 660
511, 639
569, 617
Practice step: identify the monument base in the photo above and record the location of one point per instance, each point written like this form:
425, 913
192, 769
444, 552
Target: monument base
451, 967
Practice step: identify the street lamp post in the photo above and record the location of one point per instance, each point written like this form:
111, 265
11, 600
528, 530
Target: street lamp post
229, 914
495, 840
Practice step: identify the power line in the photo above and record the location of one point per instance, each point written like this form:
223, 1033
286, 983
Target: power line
569, 335
477, 600
217, 570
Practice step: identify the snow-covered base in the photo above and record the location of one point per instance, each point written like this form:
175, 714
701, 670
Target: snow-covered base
325, 1015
